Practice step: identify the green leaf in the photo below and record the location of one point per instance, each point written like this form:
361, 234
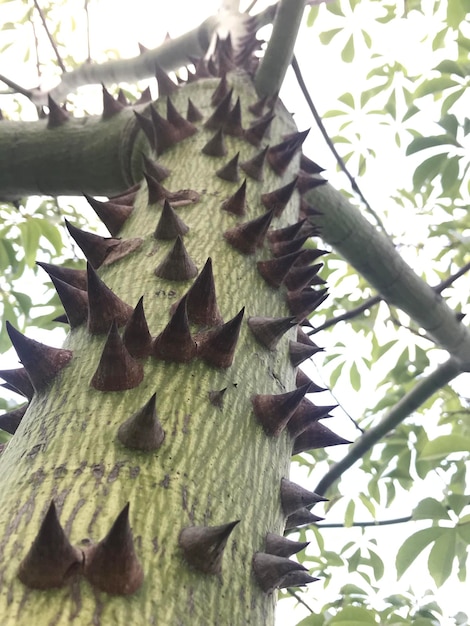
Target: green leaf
435, 85
347, 53
312, 15
413, 546
349, 514
463, 527
30, 234
447, 444
421, 143
441, 557
429, 508
335, 7
451, 67
328, 35
428, 170
367, 503
377, 564
450, 174
353, 616
355, 377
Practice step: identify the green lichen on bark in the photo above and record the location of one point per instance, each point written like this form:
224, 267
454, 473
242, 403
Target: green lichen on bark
216, 463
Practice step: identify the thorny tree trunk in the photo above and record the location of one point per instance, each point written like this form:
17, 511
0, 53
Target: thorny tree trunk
228, 429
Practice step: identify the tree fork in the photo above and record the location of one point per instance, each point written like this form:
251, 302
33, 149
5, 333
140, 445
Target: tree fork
173, 532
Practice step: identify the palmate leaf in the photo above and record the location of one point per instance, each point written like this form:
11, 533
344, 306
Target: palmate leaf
413, 546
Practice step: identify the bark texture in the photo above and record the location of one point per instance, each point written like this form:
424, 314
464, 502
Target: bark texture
220, 458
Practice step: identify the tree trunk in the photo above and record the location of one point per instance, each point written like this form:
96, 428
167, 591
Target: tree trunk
226, 447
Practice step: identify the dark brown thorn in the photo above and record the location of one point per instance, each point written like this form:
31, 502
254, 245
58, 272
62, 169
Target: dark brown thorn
57, 115
248, 236
306, 210
233, 125
175, 342
295, 497
203, 546
112, 215
156, 191
285, 234
300, 277
306, 183
254, 166
236, 204
76, 278
302, 517
177, 265
142, 431
277, 200
201, 301
297, 579
10, 421
142, 49
280, 156
224, 55
112, 565
121, 97
220, 91
216, 398
104, 305
217, 346
51, 559
304, 338
111, 107
170, 225
258, 107
270, 570
256, 132
307, 413
42, 363
136, 335
269, 330
220, 115
316, 436
183, 126
166, 86
117, 370
281, 546
229, 171
302, 379
127, 196
310, 255
18, 381
216, 145
274, 270
200, 69
274, 411
154, 169
74, 301
303, 303
193, 114
309, 166
145, 97
166, 135
299, 352
282, 248
94, 247
147, 128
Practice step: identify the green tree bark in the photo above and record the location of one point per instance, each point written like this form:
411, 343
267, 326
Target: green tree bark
216, 465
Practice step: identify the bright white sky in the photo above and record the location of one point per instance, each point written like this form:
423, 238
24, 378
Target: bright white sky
119, 24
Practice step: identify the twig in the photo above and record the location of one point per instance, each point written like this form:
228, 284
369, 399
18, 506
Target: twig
367, 304
51, 38
329, 142
276, 60
88, 43
251, 6
384, 522
295, 595
36, 49
410, 402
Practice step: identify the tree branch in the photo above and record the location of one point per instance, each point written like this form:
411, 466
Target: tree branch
424, 389
278, 55
384, 522
377, 260
367, 304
